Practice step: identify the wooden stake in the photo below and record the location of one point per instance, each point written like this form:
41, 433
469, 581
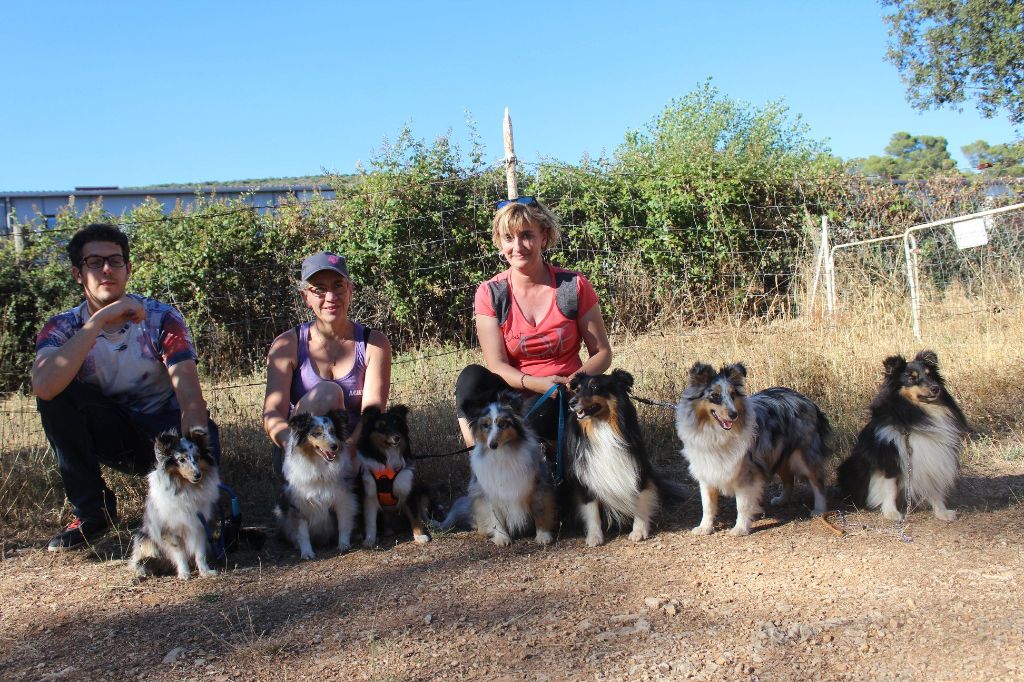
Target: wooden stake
510, 159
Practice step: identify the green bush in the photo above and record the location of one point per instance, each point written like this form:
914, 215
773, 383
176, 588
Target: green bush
705, 211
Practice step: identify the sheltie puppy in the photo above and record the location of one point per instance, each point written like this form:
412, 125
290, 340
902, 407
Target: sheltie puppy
388, 474
182, 487
317, 501
913, 438
510, 490
607, 466
736, 444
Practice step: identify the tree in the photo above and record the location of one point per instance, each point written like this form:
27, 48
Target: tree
909, 156
999, 160
949, 50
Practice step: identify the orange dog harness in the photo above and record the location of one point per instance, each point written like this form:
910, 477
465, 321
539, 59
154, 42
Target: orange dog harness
385, 480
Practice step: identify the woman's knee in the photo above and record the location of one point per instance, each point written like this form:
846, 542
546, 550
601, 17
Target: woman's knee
322, 398
476, 383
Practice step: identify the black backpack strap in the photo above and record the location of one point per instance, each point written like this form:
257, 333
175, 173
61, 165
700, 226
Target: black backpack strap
566, 294
501, 299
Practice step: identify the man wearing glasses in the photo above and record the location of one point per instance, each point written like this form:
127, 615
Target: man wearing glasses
109, 376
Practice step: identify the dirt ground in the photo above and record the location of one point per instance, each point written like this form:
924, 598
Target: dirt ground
792, 601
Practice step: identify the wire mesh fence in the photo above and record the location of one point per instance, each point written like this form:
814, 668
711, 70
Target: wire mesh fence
659, 252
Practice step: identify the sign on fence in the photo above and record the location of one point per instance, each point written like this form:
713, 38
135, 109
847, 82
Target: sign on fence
971, 233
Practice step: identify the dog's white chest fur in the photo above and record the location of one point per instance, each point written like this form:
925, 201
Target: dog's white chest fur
173, 510
609, 470
314, 486
715, 455
933, 458
507, 477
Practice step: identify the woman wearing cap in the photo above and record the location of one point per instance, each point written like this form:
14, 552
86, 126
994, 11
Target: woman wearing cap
330, 363
531, 319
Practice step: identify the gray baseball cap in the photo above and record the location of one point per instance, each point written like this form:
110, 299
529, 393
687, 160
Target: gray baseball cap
324, 261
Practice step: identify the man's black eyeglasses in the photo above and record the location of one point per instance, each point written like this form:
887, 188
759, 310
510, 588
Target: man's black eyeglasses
97, 262
525, 201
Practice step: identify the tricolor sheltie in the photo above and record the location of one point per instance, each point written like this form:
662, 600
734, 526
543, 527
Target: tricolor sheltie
510, 490
388, 474
736, 444
606, 464
317, 502
914, 436
182, 487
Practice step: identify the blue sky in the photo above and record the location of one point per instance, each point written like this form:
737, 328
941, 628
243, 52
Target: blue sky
132, 94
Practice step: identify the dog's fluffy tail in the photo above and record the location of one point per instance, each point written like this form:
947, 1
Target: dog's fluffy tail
460, 516
854, 477
671, 489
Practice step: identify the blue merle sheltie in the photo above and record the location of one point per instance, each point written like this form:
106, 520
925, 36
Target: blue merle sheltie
389, 485
607, 466
736, 444
913, 439
510, 490
318, 502
182, 487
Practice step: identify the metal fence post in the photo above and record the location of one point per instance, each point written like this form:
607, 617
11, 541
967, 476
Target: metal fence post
910, 251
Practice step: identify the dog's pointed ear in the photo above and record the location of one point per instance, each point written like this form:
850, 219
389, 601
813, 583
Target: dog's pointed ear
893, 365
301, 423
701, 374
928, 357
400, 411
340, 420
199, 436
370, 414
624, 378
165, 443
736, 373
513, 399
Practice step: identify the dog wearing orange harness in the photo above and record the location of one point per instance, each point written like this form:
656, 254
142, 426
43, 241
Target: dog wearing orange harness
389, 478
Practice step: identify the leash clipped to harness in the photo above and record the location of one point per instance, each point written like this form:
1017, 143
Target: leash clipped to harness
561, 426
222, 542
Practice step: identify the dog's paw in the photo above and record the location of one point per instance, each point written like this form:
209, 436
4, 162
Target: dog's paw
344, 547
306, 556
421, 538
892, 515
945, 515
638, 535
501, 540
184, 576
703, 530
369, 542
595, 540
208, 573
739, 531
544, 537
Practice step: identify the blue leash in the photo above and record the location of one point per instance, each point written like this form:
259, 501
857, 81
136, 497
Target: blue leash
218, 546
561, 427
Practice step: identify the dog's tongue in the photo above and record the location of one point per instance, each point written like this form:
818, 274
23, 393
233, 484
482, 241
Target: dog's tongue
725, 423
327, 454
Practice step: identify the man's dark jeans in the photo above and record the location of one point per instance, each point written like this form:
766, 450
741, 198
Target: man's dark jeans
86, 428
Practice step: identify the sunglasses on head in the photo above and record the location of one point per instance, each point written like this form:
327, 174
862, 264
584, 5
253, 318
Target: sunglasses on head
525, 201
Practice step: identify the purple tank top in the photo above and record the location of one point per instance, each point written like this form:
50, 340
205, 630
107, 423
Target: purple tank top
305, 377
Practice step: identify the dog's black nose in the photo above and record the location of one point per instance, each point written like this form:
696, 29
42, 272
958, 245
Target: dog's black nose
733, 414
334, 447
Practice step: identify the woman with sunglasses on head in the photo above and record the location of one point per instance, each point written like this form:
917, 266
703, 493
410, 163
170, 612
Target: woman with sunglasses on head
531, 320
330, 363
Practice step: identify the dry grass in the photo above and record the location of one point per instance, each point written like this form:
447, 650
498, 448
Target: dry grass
836, 361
